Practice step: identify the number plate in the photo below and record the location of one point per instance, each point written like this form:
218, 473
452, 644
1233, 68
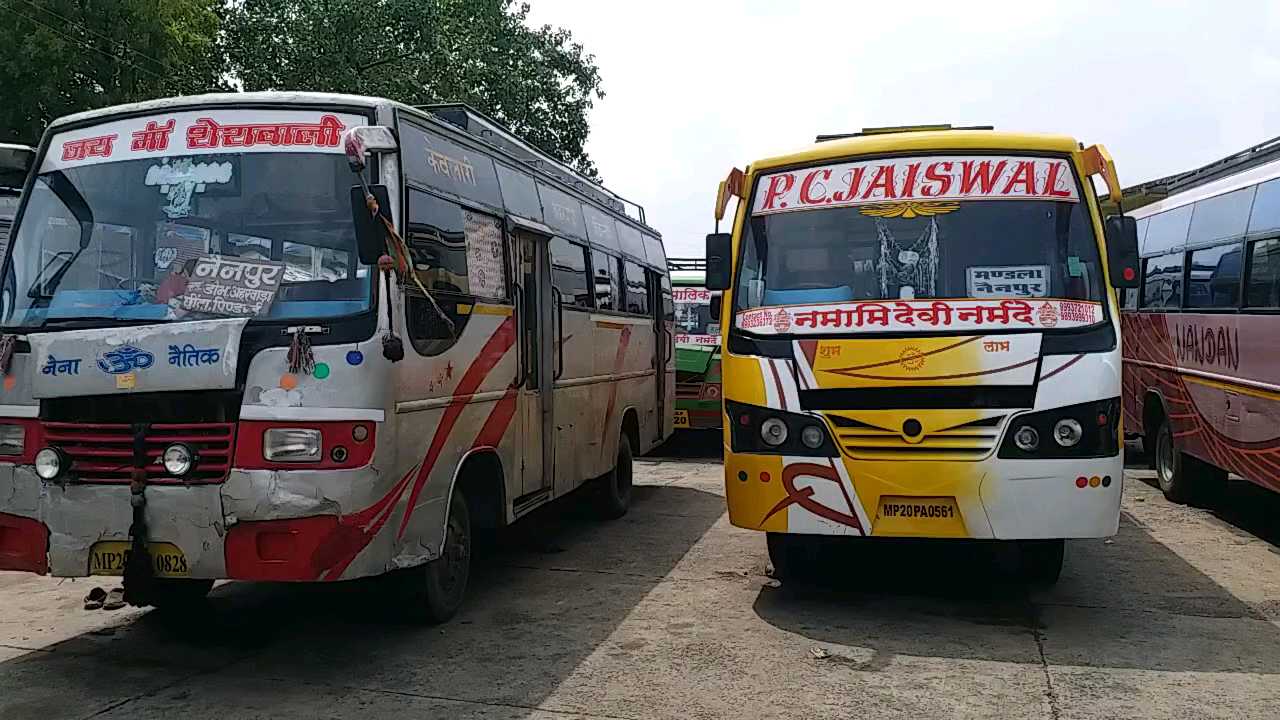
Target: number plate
919, 516
110, 556
682, 418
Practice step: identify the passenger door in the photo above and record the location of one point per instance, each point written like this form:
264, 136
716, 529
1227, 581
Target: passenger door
538, 353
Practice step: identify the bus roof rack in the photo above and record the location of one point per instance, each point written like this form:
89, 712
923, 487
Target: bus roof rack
687, 264
479, 125
900, 129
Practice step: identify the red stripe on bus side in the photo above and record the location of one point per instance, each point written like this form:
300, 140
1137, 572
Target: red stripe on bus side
495, 426
623, 340
494, 349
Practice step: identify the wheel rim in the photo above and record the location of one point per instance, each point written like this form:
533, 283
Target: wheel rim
1164, 457
457, 552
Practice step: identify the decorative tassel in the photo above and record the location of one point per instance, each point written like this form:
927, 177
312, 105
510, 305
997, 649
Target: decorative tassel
7, 343
301, 358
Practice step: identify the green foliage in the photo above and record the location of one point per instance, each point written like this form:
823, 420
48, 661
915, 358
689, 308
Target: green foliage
536, 81
65, 56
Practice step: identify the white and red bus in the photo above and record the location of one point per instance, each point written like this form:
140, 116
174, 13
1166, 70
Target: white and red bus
220, 364
1202, 335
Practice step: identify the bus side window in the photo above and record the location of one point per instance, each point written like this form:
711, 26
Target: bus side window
569, 272
1263, 287
1162, 282
668, 305
605, 274
637, 289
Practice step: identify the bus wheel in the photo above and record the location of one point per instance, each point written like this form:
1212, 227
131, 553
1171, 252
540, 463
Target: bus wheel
1040, 561
444, 580
792, 556
176, 593
613, 496
1183, 478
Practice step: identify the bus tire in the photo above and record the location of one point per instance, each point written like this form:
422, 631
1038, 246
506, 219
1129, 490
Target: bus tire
176, 593
1040, 561
1182, 478
792, 556
613, 496
443, 581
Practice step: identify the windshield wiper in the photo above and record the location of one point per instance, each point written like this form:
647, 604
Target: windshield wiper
66, 192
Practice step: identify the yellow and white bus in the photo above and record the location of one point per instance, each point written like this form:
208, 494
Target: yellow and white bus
920, 340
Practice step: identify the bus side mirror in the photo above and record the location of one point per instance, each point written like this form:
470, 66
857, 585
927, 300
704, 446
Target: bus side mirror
719, 261
717, 299
15, 163
1122, 251
371, 233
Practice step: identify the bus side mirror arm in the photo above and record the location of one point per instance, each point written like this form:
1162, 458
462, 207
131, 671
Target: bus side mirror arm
719, 261
371, 234
1122, 251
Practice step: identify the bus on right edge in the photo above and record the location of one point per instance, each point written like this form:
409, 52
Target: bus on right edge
1202, 333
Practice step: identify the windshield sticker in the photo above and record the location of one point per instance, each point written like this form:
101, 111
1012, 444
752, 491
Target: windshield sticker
233, 287
165, 256
687, 339
484, 256
931, 179
1075, 268
922, 315
691, 295
182, 179
911, 269
1007, 280
909, 210
90, 147
206, 131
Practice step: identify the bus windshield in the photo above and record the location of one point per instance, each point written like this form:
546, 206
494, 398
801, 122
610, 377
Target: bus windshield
693, 312
118, 240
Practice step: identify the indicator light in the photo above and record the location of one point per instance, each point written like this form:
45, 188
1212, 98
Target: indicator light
1082, 481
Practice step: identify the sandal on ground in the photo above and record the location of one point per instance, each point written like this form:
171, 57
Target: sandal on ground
95, 598
115, 599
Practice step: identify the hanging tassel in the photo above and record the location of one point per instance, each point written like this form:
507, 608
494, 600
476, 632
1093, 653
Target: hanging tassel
301, 358
7, 343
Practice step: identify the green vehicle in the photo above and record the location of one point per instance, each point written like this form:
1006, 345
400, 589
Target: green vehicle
697, 347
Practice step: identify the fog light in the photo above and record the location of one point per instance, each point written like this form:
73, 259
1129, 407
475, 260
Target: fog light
812, 437
178, 459
359, 433
773, 431
50, 463
1067, 432
291, 445
1026, 438
338, 454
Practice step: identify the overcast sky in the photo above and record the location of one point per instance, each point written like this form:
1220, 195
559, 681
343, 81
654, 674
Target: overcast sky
695, 87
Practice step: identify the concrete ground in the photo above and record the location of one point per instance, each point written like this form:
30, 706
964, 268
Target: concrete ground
668, 613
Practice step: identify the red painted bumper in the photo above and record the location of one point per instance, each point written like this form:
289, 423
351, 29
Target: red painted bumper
24, 544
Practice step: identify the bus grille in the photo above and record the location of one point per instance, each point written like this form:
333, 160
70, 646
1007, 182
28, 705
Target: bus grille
970, 441
103, 453
688, 391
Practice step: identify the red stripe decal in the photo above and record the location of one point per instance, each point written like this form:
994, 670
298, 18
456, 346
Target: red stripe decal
809, 348
494, 349
496, 425
623, 340
354, 533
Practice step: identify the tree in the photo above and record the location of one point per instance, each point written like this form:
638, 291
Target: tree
537, 81
65, 56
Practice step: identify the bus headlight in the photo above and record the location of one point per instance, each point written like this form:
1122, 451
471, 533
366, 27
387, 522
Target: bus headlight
291, 445
178, 459
765, 431
1087, 430
1067, 432
1026, 438
812, 437
773, 431
51, 462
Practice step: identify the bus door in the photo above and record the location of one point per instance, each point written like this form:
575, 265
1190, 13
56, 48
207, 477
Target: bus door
538, 348
663, 354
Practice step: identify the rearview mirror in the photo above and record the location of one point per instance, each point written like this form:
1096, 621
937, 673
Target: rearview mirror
1122, 251
358, 142
371, 233
15, 163
719, 261
717, 299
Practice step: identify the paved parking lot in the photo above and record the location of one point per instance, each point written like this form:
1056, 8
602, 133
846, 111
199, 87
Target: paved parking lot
668, 613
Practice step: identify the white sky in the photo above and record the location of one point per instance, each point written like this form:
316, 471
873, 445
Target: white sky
695, 87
